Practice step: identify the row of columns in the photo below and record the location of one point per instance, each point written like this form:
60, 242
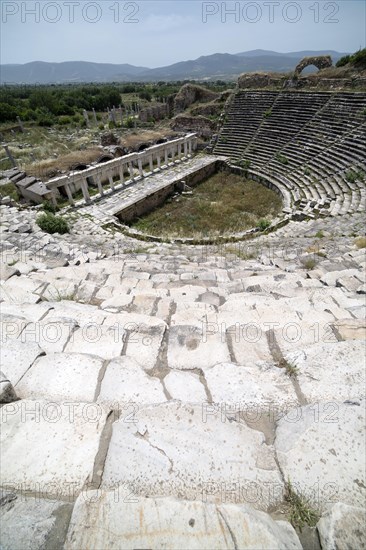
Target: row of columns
171, 153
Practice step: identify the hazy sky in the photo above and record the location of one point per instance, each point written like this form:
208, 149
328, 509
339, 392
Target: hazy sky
154, 33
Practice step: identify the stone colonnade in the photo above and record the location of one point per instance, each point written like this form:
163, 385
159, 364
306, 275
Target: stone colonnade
128, 168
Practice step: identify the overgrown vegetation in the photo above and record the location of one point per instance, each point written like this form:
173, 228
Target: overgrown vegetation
49, 223
9, 190
224, 203
301, 511
64, 104
354, 175
263, 224
281, 158
291, 370
243, 163
309, 263
357, 60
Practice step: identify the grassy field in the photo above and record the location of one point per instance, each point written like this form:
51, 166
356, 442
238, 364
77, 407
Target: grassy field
222, 204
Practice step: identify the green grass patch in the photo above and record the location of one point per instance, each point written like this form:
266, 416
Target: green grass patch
222, 204
301, 512
52, 224
290, 368
9, 190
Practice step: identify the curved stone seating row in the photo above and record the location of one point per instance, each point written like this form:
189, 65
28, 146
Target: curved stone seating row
312, 145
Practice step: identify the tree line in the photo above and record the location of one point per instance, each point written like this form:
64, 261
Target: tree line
59, 104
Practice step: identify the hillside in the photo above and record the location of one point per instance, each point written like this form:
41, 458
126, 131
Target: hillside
215, 66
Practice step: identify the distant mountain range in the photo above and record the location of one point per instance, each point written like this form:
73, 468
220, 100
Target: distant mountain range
219, 66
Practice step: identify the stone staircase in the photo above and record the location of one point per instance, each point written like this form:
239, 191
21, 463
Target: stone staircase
167, 398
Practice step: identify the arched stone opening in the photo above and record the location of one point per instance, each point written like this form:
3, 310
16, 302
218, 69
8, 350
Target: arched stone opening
320, 62
104, 158
143, 146
79, 166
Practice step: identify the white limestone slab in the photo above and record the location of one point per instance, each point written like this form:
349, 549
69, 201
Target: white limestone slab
82, 313
22, 289
11, 326
62, 376
190, 347
187, 293
126, 382
17, 357
131, 320
333, 372
116, 302
189, 452
350, 329
143, 345
105, 341
185, 386
60, 289
104, 521
49, 445
143, 304
191, 313
249, 343
251, 388
50, 334
321, 449
31, 312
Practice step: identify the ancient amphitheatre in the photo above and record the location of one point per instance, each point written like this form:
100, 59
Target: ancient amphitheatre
203, 391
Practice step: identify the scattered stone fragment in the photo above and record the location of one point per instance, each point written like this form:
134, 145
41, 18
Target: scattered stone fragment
30, 523
342, 526
7, 393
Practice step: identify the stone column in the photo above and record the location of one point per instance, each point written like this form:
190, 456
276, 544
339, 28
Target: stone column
111, 182
69, 194
190, 147
9, 155
99, 184
20, 124
166, 156
180, 151
121, 175
172, 151
130, 168
159, 160
85, 191
151, 163
95, 117
139, 162
86, 118
185, 149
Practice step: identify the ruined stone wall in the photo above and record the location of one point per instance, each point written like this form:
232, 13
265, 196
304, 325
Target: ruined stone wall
155, 112
202, 126
321, 62
189, 94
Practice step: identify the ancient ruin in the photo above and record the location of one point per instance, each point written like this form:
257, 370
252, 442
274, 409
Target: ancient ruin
320, 62
171, 394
